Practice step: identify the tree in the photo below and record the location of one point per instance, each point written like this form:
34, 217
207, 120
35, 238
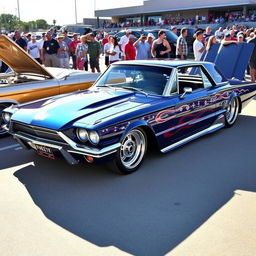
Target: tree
12, 22
41, 24
9, 21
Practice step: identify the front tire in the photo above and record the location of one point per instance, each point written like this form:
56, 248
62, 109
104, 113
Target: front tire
131, 154
232, 112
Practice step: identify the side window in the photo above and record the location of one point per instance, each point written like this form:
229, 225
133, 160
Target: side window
190, 77
193, 77
206, 81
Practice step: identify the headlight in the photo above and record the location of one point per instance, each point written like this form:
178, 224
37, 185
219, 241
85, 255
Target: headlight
6, 117
82, 134
94, 137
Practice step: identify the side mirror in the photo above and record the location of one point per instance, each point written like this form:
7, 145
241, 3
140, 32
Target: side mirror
185, 91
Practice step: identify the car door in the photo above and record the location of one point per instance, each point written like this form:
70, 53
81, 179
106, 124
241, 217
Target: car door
195, 111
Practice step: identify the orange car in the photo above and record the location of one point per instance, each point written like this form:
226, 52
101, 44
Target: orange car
29, 80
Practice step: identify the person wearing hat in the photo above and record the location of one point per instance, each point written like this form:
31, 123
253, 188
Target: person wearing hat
34, 48
72, 47
198, 46
150, 40
142, 48
63, 52
174, 30
50, 50
129, 49
123, 41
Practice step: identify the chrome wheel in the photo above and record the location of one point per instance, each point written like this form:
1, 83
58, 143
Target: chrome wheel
131, 153
232, 112
133, 149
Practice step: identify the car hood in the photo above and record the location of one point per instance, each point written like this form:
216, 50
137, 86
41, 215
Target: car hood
19, 60
86, 108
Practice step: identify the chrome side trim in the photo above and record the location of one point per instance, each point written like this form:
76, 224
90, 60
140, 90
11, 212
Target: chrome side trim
191, 122
211, 129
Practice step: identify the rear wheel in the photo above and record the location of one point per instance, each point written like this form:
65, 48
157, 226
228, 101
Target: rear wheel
2, 131
131, 154
232, 112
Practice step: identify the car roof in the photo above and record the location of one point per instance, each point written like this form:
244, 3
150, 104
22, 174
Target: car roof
166, 63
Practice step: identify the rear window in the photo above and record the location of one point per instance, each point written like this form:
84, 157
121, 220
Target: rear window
216, 74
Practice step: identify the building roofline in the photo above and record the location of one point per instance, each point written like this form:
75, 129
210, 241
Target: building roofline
141, 11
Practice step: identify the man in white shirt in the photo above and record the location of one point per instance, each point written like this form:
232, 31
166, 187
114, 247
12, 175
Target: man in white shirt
198, 46
34, 48
123, 41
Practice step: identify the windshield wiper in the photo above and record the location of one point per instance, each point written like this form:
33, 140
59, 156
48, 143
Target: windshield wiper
134, 89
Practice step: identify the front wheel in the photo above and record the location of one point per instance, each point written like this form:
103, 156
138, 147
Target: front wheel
232, 112
131, 154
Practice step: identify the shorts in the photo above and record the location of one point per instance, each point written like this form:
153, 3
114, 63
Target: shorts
106, 60
94, 63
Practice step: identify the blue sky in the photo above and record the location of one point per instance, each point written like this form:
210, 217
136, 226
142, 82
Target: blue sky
63, 11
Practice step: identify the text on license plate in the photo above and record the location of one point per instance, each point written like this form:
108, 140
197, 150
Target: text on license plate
44, 151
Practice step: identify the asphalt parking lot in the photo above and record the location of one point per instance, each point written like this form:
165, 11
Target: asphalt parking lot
197, 200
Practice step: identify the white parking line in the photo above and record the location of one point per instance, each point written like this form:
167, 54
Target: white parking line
18, 148
9, 147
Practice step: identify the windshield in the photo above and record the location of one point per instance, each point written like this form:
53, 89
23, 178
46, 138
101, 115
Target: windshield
147, 79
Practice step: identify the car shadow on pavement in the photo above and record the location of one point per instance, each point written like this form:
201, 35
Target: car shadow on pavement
153, 210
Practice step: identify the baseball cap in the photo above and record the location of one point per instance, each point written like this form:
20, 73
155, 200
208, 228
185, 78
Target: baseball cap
151, 35
131, 36
129, 31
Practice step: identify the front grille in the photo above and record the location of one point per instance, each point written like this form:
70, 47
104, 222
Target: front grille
36, 132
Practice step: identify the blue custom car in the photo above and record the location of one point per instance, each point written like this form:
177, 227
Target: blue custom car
131, 104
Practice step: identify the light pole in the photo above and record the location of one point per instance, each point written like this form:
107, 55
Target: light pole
75, 12
18, 6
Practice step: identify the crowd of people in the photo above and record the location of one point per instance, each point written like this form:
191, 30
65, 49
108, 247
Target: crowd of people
229, 16
58, 50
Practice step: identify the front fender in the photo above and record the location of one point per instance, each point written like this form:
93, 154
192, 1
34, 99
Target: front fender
135, 124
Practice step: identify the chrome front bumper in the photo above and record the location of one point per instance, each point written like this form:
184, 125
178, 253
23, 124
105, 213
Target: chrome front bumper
67, 152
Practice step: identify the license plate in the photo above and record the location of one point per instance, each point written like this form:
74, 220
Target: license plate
44, 151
